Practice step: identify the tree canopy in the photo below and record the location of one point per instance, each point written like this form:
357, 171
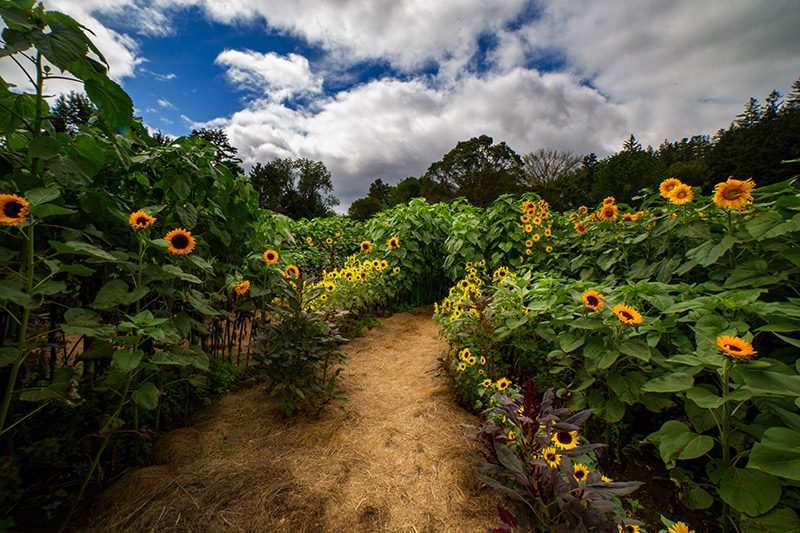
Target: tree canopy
298, 188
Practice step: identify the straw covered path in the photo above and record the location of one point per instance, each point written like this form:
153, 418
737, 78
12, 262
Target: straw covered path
395, 459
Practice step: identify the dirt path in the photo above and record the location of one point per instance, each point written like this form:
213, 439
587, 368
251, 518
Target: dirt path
396, 459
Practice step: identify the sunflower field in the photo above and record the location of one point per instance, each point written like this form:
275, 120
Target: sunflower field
139, 279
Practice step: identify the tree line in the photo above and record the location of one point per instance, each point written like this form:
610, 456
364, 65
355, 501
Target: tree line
755, 145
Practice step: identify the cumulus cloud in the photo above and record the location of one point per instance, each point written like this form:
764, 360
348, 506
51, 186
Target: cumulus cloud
277, 76
163, 102
392, 129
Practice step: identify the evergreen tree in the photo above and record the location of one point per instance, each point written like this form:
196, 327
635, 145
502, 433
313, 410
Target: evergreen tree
226, 152
71, 111
632, 145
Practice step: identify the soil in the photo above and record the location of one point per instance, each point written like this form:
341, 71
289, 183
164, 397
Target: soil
395, 458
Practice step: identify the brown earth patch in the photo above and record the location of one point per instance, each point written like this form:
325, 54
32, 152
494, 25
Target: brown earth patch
395, 458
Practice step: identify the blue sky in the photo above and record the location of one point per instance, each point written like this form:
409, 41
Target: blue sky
382, 88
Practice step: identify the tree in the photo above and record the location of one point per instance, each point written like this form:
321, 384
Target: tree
71, 111
380, 190
226, 152
793, 98
545, 166
365, 208
299, 188
624, 174
632, 145
476, 169
751, 115
405, 191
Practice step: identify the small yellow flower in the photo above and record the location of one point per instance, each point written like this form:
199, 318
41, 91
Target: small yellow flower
309, 240
13, 210
242, 287
270, 256
487, 383
140, 220
366, 246
579, 472
502, 384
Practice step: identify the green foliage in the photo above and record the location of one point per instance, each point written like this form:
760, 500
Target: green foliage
296, 351
298, 188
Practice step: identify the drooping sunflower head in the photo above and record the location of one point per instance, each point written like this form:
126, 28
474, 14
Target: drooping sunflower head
735, 347
551, 456
140, 220
681, 194
733, 193
270, 256
291, 272
627, 314
13, 210
366, 246
580, 228
502, 384
579, 472
242, 287
394, 243
668, 185
180, 242
608, 212
593, 300
565, 440
680, 527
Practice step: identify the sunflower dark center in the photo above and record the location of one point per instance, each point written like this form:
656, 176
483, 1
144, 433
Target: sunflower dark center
12, 209
626, 315
580, 474
564, 437
733, 348
180, 241
731, 194
550, 456
592, 301
271, 257
141, 220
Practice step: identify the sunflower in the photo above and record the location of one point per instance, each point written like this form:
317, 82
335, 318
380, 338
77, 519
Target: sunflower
472, 360
464, 354
528, 243
511, 435
608, 200
396, 270
628, 528
140, 220
13, 210
366, 246
487, 383
338, 234
528, 228
242, 287
291, 272
733, 194
628, 217
565, 440
536, 237
579, 472
593, 300
681, 194
580, 228
483, 360
394, 243
668, 185
608, 212
502, 384
525, 219
270, 256
330, 286
606, 479
548, 232
180, 242
323, 297
680, 527
528, 251
583, 209
627, 314
735, 347
551, 456
537, 221
328, 241
461, 366
548, 249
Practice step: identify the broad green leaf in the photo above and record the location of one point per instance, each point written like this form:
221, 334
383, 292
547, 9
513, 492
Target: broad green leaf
673, 382
704, 398
146, 396
42, 195
749, 491
79, 321
115, 293
570, 342
778, 453
778, 520
50, 210
635, 348
178, 272
197, 300
83, 248
8, 355
10, 292
126, 360
676, 441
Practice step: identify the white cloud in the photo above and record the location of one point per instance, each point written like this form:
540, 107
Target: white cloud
277, 76
163, 102
393, 129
